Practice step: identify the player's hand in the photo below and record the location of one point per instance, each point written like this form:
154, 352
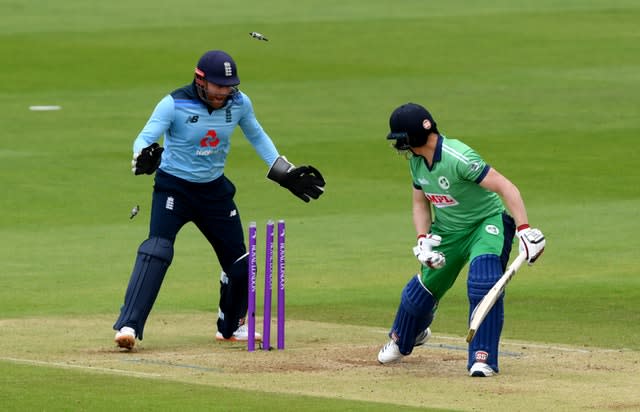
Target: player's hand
306, 182
425, 253
532, 242
148, 160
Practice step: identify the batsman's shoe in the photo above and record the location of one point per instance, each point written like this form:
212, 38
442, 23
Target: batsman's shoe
240, 335
481, 370
125, 338
423, 337
390, 353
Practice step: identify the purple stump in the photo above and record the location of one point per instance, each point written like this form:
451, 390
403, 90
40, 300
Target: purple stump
251, 309
268, 280
281, 278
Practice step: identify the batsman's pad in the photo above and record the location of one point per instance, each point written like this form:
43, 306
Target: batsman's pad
414, 315
154, 257
234, 289
484, 272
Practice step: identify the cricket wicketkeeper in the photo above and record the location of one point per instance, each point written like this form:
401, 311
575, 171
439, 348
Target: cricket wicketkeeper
197, 121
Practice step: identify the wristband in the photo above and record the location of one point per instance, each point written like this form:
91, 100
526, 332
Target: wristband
523, 227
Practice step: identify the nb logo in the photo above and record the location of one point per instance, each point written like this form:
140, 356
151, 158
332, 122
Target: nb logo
192, 119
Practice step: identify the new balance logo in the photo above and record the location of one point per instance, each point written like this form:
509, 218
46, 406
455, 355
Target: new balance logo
192, 119
169, 204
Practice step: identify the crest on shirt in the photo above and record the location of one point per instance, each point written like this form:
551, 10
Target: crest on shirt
443, 182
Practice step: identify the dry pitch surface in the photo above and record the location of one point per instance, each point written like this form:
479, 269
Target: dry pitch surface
337, 361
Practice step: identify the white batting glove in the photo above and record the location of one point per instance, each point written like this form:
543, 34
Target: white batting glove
532, 242
425, 253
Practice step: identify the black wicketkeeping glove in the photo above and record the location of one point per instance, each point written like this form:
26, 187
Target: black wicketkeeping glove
148, 160
306, 182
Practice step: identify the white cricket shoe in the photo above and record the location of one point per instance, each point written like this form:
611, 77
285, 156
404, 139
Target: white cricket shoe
125, 338
481, 370
423, 337
240, 335
390, 353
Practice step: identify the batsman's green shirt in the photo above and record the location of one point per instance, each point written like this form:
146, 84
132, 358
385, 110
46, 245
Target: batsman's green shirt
452, 186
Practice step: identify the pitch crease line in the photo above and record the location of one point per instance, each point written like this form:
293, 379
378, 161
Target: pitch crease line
82, 367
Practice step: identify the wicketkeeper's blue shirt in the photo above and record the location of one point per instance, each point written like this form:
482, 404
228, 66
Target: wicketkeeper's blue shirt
197, 142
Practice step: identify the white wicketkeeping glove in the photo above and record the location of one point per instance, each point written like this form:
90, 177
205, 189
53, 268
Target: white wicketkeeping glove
425, 253
532, 242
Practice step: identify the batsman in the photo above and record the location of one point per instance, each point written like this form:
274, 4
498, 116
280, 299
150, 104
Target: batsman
464, 211
197, 122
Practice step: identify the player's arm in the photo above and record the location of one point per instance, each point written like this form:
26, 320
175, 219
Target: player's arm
496, 182
532, 241
147, 153
256, 135
305, 182
426, 241
421, 212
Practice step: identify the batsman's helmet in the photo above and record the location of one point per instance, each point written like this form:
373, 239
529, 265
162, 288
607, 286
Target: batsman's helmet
410, 126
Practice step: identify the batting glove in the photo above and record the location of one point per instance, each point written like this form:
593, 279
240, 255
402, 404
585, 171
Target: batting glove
425, 253
532, 242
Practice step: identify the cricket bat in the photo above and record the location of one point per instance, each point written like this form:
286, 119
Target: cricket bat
484, 306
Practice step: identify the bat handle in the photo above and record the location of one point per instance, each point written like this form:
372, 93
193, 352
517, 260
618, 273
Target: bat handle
470, 335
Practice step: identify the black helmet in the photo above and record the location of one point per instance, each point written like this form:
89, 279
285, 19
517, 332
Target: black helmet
410, 126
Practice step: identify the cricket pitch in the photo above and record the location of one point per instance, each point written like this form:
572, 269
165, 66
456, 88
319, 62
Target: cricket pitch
337, 361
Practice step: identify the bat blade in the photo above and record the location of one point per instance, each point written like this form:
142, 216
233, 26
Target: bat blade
484, 306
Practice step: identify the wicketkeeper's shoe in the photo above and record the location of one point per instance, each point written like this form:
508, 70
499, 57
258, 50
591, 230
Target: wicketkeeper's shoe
126, 338
481, 370
240, 335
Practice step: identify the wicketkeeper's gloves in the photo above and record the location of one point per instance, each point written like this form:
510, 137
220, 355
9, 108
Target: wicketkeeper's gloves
306, 182
148, 160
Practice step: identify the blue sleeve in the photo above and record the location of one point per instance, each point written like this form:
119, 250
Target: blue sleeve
256, 135
157, 125
483, 174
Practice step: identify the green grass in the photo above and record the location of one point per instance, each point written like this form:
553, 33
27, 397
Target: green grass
64, 389
548, 94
